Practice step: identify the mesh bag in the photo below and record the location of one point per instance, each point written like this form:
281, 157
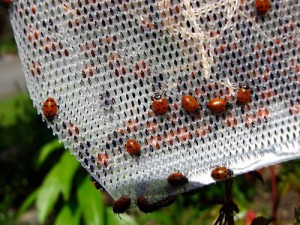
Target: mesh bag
103, 61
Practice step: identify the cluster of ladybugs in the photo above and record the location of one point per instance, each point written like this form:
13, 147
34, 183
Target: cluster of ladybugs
176, 180
160, 106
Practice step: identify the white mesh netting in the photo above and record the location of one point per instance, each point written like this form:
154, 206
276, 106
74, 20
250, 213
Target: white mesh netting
102, 61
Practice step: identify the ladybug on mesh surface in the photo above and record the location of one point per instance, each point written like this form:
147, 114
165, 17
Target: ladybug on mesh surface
122, 204
133, 147
218, 105
244, 95
50, 109
262, 6
221, 173
177, 179
190, 104
159, 105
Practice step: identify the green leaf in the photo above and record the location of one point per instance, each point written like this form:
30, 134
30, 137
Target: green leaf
48, 194
47, 150
66, 216
122, 219
28, 202
68, 165
59, 180
91, 203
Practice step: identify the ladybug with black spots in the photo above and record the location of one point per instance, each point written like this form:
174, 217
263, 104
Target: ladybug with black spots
159, 105
133, 147
244, 95
190, 104
262, 6
218, 105
221, 173
122, 204
50, 109
177, 179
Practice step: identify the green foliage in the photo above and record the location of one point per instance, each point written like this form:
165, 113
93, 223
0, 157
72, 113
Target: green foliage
289, 177
56, 197
22, 133
67, 215
91, 204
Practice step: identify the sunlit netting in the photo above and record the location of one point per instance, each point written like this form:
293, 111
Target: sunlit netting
103, 61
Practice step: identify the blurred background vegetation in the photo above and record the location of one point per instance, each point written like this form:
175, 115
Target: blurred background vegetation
41, 183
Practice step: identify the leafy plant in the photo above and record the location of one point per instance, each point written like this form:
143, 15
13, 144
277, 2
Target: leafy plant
68, 194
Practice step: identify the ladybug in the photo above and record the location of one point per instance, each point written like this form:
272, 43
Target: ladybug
144, 205
177, 179
6, 2
160, 105
50, 109
133, 147
221, 173
218, 105
122, 204
189, 103
262, 6
244, 95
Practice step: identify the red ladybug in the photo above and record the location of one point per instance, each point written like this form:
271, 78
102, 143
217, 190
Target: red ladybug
133, 147
218, 105
121, 204
177, 179
221, 173
244, 95
6, 2
144, 205
50, 109
262, 6
189, 103
160, 105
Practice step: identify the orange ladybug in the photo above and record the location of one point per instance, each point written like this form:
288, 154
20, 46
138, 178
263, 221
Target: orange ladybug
122, 204
221, 173
218, 105
262, 6
177, 179
244, 95
189, 103
133, 147
50, 109
160, 105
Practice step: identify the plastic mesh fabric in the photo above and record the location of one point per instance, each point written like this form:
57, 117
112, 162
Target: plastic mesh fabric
102, 61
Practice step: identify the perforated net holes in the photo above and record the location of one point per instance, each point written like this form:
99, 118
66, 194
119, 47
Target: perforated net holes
103, 61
